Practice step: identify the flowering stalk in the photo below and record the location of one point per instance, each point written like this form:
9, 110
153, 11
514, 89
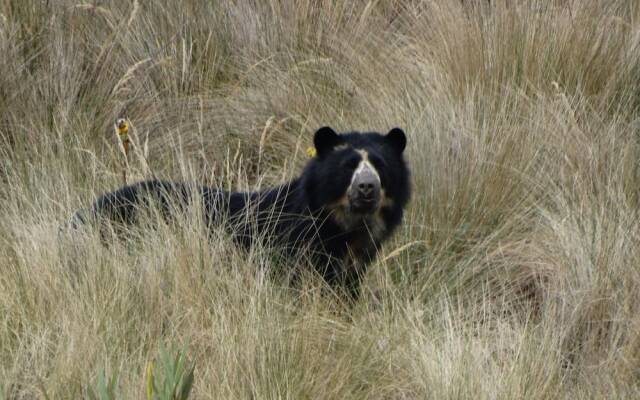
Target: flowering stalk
122, 131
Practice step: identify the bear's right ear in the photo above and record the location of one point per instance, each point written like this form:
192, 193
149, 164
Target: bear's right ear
325, 139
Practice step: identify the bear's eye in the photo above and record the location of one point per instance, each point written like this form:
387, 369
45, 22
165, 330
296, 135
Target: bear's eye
377, 162
351, 162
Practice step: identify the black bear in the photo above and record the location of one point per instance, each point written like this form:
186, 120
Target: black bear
347, 201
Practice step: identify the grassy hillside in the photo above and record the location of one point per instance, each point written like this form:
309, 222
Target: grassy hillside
515, 275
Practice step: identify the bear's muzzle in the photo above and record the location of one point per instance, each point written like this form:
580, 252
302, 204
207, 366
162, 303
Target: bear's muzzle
364, 190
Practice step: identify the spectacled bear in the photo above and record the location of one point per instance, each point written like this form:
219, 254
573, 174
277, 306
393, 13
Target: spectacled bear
347, 201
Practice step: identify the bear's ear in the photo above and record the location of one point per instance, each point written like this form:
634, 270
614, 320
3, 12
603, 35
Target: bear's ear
325, 139
397, 139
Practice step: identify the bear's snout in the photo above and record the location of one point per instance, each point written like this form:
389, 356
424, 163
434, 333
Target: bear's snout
364, 191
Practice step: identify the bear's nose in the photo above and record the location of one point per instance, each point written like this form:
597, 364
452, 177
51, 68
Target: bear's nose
366, 188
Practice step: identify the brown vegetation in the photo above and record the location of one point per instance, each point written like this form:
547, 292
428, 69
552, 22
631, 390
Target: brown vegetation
515, 274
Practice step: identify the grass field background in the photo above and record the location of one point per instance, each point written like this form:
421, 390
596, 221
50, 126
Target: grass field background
516, 273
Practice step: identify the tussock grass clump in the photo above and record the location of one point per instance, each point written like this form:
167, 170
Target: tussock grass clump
513, 276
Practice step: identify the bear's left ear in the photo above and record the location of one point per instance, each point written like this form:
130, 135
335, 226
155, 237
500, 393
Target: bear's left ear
325, 139
397, 139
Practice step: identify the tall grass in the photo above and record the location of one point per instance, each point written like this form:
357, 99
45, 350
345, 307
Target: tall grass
514, 275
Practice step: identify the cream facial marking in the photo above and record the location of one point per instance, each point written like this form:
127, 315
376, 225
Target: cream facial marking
385, 201
364, 167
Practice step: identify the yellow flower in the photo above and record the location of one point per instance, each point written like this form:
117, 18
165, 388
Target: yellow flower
122, 126
122, 129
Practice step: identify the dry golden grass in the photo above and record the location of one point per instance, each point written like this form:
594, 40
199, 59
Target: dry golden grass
515, 274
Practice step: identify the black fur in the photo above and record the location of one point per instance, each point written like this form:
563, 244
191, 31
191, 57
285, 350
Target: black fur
311, 211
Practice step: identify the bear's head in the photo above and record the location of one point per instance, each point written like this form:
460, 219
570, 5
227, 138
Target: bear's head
358, 176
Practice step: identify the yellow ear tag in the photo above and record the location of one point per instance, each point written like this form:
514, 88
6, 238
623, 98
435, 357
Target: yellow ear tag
311, 152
